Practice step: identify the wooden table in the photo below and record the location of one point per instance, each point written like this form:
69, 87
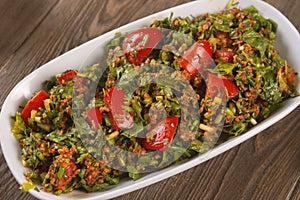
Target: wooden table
32, 32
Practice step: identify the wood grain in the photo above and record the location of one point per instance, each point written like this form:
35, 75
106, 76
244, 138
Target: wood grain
36, 31
18, 20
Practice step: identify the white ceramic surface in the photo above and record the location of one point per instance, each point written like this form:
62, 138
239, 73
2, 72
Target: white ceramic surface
288, 44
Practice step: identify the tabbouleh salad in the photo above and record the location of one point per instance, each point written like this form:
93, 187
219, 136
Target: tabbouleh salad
255, 81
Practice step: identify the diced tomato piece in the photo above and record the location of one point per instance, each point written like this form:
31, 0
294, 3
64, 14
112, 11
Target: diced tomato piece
216, 84
67, 76
139, 44
232, 90
36, 102
196, 58
95, 117
161, 134
114, 100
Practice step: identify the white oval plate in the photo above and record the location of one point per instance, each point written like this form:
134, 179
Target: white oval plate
288, 43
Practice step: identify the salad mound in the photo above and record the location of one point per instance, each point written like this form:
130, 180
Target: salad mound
163, 93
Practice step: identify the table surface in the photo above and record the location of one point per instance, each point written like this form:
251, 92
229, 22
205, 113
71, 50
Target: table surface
33, 32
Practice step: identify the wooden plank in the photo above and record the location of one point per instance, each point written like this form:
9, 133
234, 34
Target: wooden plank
18, 20
264, 167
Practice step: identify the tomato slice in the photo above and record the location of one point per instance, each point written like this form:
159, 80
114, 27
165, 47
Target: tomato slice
214, 85
139, 44
232, 90
36, 102
67, 76
95, 117
196, 58
114, 100
161, 134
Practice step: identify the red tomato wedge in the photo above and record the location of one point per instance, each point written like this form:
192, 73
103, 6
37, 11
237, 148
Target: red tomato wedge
114, 100
95, 117
36, 102
161, 134
139, 44
67, 76
196, 58
216, 84
232, 90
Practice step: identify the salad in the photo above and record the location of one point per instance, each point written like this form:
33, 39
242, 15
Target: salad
162, 94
